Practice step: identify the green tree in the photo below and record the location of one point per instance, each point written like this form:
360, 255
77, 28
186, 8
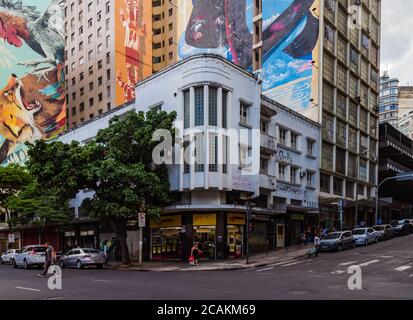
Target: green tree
123, 176
13, 179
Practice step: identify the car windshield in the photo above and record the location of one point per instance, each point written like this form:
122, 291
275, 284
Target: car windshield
91, 251
359, 231
331, 236
39, 249
379, 228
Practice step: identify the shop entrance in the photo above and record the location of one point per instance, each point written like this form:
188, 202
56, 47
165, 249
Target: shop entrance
280, 235
166, 238
206, 236
235, 241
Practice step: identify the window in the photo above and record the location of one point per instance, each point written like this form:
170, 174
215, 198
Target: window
213, 153
82, 91
213, 107
108, 74
107, 41
81, 107
81, 45
90, 70
281, 172
91, 102
107, 24
89, 7
100, 48
199, 106
324, 183
74, 96
89, 39
263, 166
90, 85
99, 15
99, 32
224, 154
73, 111
199, 152
100, 64
186, 152
310, 179
310, 147
90, 54
338, 187
170, 12
107, 7
327, 157
293, 175
283, 136
224, 109
73, 81
340, 161
243, 111
90, 23
81, 76
100, 81
108, 91
294, 141
264, 126
187, 116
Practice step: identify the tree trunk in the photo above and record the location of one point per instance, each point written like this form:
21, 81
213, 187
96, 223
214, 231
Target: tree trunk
121, 235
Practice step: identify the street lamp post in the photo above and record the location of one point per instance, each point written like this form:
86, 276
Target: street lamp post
250, 205
402, 177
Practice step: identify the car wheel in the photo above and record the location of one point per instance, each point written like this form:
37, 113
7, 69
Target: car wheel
14, 264
26, 265
99, 266
377, 239
61, 264
79, 265
340, 247
366, 242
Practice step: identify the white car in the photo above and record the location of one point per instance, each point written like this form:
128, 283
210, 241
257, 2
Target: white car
365, 236
8, 256
30, 256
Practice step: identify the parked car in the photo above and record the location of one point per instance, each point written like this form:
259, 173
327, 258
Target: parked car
8, 256
365, 236
401, 227
337, 241
81, 257
385, 231
30, 256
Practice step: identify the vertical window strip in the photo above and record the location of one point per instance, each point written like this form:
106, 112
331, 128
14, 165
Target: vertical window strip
224, 154
213, 107
199, 106
187, 109
199, 152
224, 109
213, 152
186, 150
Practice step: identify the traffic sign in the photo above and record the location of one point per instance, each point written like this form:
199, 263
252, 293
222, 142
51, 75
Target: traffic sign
142, 220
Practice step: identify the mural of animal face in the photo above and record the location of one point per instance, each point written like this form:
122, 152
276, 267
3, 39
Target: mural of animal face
13, 29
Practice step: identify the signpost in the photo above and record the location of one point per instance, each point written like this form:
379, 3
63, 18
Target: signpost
142, 223
11, 237
341, 205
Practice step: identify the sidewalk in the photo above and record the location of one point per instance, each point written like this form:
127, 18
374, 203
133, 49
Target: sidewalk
256, 260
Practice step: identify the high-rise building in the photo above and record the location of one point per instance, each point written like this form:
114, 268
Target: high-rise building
389, 100
321, 58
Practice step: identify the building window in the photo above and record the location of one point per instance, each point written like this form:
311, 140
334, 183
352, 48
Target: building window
340, 161
338, 187
293, 175
199, 152
107, 7
82, 91
327, 157
100, 81
108, 91
243, 112
186, 152
90, 70
281, 172
90, 23
224, 109
81, 107
107, 24
213, 106
187, 109
294, 141
263, 166
91, 102
199, 106
324, 183
100, 97
310, 147
213, 153
90, 85
90, 55
224, 154
282, 133
310, 179
81, 76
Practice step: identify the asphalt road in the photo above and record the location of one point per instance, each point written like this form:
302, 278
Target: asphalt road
387, 274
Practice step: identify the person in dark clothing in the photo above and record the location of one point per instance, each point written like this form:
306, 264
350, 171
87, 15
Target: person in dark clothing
195, 252
50, 254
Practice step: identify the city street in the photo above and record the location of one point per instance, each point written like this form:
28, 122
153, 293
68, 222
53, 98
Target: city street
387, 274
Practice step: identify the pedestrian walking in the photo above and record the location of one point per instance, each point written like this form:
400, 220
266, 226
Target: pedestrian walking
317, 242
50, 256
303, 239
195, 253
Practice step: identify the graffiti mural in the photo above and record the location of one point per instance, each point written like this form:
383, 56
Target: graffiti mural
133, 46
32, 100
222, 27
291, 53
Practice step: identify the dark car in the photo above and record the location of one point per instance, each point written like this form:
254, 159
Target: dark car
337, 241
385, 231
401, 227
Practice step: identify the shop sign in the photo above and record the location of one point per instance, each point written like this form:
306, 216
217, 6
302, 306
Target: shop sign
299, 217
236, 219
166, 221
142, 220
205, 219
87, 233
70, 234
11, 237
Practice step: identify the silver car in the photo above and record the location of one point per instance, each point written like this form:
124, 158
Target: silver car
30, 256
365, 236
81, 257
8, 256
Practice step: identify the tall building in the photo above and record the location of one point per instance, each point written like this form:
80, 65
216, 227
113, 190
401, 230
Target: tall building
405, 119
389, 100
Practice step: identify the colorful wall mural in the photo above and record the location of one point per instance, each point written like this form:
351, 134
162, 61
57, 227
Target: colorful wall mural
221, 27
32, 100
133, 29
291, 53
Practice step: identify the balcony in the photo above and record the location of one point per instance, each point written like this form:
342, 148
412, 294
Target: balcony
268, 144
268, 182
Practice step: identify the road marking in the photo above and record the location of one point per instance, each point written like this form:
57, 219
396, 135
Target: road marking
99, 280
347, 263
28, 289
403, 268
338, 272
292, 264
284, 262
266, 269
365, 264
387, 257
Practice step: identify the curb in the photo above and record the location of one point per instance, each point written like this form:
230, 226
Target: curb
186, 269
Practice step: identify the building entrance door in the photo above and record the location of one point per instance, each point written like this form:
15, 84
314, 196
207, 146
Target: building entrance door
280, 235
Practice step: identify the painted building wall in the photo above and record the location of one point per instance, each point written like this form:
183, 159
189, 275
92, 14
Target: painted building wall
133, 46
32, 100
216, 26
291, 54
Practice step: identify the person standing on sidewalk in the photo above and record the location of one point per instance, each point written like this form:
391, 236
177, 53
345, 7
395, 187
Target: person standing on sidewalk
317, 242
195, 252
50, 256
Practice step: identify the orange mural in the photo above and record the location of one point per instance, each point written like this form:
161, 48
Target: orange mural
133, 46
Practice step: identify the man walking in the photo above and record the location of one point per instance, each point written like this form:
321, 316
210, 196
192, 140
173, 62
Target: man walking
317, 244
50, 256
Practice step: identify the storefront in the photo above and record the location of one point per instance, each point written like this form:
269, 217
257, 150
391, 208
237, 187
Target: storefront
166, 238
235, 234
205, 233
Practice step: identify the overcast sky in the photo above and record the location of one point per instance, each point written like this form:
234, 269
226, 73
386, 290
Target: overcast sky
397, 39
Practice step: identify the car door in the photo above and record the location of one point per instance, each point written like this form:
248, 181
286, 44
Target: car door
74, 257
66, 258
348, 240
371, 235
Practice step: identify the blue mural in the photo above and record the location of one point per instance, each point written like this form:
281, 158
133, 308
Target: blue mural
290, 37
